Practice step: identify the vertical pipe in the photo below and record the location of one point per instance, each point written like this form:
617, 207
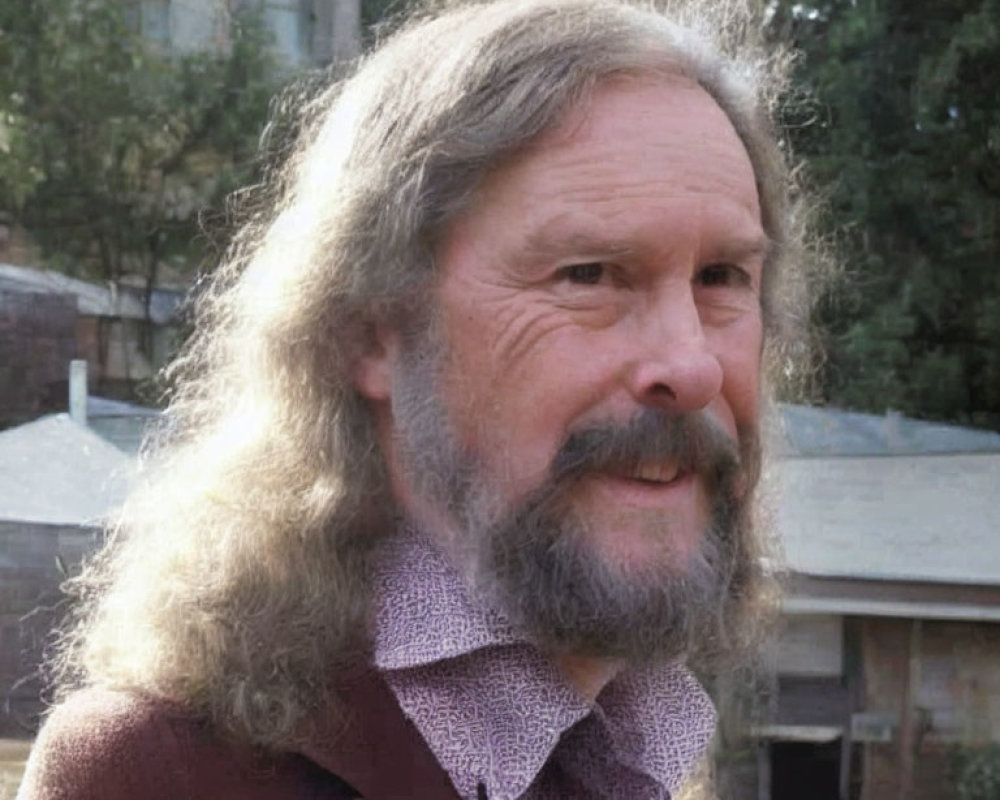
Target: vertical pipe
851, 670
78, 390
908, 721
764, 769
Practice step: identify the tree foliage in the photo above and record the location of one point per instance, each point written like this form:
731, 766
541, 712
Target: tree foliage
904, 133
974, 771
109, 148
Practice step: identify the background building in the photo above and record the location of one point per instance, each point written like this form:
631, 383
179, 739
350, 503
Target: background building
306, 33
889, 657
48, 318
58, 480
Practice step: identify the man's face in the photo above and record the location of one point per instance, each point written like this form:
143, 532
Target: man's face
602, 292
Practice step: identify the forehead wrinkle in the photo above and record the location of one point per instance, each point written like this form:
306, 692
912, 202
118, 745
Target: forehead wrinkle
614, 178
609, 188
721, 162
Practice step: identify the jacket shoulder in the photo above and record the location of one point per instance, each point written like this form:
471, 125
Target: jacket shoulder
109, 745
102, 743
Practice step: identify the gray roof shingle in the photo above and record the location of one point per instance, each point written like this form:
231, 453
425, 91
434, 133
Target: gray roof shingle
814, 431
922, 518
55, 471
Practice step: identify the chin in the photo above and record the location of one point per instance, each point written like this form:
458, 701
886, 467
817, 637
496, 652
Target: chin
638, 540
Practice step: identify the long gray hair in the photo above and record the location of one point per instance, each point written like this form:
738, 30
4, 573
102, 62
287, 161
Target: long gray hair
233, 580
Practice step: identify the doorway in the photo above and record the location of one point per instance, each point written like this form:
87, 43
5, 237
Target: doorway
805, 770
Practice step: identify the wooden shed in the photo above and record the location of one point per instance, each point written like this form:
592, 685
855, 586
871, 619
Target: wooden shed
890, 650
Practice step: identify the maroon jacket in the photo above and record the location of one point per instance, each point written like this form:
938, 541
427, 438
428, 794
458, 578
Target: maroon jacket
105, 745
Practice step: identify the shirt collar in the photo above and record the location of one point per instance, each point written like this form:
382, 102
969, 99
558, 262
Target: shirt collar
493, 709
424, 610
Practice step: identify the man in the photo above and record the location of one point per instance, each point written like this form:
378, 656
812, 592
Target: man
457, 481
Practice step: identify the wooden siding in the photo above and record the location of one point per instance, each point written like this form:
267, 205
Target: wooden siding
30, 601
943, 685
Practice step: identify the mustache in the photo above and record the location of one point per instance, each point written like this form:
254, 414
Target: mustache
695, 441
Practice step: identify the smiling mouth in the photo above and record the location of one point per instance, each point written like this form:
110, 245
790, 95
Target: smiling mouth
660, 473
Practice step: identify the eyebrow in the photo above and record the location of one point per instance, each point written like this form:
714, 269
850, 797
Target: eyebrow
739, 249
542, 243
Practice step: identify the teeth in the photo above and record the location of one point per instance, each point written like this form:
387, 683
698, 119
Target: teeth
658, 473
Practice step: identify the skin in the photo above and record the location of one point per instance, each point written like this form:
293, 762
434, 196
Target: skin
614, 266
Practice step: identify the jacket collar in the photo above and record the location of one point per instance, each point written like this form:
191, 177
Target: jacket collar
375, 748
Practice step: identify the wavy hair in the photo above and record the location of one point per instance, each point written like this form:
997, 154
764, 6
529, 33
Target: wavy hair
233, 579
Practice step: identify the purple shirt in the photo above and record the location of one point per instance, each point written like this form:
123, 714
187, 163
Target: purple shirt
498, 715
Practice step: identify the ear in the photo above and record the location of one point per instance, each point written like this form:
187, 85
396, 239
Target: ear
373, 369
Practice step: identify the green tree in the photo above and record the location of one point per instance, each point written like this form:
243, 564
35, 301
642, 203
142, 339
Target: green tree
974, 771
904, 133
110, 148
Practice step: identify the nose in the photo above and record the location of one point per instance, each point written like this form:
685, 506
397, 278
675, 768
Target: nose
673, 368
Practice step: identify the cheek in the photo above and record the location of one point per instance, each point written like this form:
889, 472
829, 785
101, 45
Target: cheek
506, 359
740, 358
513, 412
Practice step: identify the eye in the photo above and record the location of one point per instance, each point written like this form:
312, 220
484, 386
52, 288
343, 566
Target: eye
723, 275
588, 274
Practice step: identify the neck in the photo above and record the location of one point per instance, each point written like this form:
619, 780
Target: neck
588, 675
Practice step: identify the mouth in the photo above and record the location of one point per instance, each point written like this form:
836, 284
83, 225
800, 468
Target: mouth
653, 485
653, 473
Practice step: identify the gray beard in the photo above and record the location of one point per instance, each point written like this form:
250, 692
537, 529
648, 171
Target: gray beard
534, 559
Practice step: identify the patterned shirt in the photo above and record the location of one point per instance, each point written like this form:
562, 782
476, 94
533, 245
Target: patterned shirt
497, 714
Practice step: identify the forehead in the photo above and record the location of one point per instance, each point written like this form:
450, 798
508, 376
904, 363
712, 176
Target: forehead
633, 142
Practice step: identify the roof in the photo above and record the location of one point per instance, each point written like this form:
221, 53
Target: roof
107, 407
54, 471
123, 424
91, 298
917, 518
815, 431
